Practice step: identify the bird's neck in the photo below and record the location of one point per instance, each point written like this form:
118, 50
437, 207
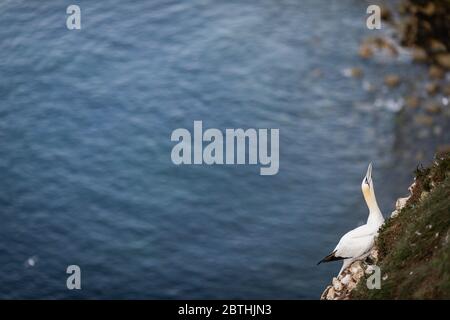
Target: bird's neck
375, 215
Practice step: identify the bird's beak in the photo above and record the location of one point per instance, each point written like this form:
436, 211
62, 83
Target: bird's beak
369, 172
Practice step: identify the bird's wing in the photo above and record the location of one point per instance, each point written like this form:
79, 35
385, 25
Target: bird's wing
356, 242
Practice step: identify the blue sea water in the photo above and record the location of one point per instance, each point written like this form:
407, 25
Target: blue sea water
85, 168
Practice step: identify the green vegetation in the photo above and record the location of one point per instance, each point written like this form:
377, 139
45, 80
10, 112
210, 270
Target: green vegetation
414, 246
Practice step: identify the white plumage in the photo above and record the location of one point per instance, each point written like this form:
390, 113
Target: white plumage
357, 243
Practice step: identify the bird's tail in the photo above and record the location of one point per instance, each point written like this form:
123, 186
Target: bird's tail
330, 257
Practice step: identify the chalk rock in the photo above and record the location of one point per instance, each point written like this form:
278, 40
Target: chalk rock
351, 285
346, 280
341, 286
400, 203
357, 271
411, 187
374, 254
369, 269
337, 285
323, 296
330, 293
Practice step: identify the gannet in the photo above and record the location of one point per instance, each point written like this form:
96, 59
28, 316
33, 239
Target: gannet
357, 243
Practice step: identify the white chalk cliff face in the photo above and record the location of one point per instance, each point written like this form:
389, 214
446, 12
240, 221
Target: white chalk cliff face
349, 278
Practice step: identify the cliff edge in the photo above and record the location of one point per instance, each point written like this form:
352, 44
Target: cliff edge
412, 250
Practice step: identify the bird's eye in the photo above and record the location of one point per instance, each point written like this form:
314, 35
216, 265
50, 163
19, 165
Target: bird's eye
367, 181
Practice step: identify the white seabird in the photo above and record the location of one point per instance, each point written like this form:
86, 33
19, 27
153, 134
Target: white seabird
357, 243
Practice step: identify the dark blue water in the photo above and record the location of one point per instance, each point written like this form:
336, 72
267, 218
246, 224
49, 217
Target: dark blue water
85, 124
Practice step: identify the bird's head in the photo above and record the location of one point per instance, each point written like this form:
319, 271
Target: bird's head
367, 184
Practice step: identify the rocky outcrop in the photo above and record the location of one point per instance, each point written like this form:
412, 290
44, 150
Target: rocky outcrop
341, 287
425, 24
